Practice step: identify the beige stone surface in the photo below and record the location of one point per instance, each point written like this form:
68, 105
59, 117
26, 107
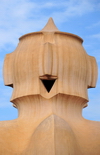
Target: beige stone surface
50, 122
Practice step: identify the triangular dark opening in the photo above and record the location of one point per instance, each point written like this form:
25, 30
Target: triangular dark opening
48, 84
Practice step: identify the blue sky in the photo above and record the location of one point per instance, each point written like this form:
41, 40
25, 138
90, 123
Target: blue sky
80, 17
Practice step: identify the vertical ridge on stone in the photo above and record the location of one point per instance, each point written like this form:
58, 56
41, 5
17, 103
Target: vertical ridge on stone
50, 118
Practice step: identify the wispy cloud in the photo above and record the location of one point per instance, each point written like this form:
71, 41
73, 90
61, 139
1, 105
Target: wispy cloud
97, 36
94, 25
20, 17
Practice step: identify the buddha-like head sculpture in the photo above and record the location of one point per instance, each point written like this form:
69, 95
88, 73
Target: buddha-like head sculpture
50, 62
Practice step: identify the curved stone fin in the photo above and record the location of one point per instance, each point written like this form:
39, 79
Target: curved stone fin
53, 136
93, 72
50, 26
7, 70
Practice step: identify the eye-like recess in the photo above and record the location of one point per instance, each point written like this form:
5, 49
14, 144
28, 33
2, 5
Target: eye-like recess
48, 81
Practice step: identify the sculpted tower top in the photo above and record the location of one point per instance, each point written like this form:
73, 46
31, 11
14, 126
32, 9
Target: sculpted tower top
50, 55
50, 73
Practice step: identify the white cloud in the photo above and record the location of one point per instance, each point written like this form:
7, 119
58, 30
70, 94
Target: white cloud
94, 25
20, 17
97, 36
79, 7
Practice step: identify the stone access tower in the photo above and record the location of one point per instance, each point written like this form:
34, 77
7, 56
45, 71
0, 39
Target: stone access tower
50, 73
